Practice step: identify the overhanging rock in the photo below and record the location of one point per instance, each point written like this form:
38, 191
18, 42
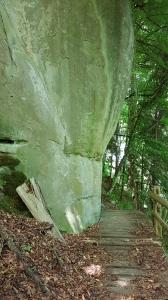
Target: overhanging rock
65, 70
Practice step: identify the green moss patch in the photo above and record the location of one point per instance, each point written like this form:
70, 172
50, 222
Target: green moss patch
8, 161
11, 205
10, 201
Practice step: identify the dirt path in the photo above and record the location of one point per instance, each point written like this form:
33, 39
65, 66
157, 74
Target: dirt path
137, 267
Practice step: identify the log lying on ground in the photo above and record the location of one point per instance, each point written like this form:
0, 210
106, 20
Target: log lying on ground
31, 195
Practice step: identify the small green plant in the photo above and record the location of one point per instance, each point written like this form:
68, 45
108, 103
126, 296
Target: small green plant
26, 247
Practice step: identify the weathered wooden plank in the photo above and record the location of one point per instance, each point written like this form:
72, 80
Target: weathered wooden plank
123, 287
37, 209
125, 242
128, 272
112, 235
122, 252
159, 199
118, 283
38, 193
120, 212
122, 264
159, 219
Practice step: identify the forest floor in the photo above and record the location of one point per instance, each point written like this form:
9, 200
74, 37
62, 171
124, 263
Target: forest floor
66, 269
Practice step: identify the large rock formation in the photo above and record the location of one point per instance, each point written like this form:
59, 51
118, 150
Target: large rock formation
64, 70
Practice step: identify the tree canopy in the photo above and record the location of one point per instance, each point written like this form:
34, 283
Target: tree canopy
138, 149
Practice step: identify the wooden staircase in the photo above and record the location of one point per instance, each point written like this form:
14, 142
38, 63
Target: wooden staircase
122, 233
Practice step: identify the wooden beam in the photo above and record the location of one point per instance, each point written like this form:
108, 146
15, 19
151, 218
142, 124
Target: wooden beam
159, 199
137, 206
130, 242
38, 193
37, 209
158, 210
159, 219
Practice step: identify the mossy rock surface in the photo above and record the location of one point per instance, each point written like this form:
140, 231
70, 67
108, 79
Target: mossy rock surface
8, 161
11, 182
10, 200
11, 205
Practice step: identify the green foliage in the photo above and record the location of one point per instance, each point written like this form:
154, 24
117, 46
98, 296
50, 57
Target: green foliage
26, 247
143, 125
165, 244
114, 197
106, 169
124, 204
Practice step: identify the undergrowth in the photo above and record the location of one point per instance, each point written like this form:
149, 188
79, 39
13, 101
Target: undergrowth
122, 204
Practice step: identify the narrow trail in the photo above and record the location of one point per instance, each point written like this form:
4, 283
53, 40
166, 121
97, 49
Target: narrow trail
137, 266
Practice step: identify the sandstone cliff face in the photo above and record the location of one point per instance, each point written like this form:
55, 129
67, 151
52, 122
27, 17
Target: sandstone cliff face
64, 69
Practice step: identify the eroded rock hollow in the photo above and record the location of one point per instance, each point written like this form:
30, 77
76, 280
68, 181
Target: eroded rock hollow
64, 72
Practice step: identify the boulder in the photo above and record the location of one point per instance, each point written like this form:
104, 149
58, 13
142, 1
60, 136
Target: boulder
64, 69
